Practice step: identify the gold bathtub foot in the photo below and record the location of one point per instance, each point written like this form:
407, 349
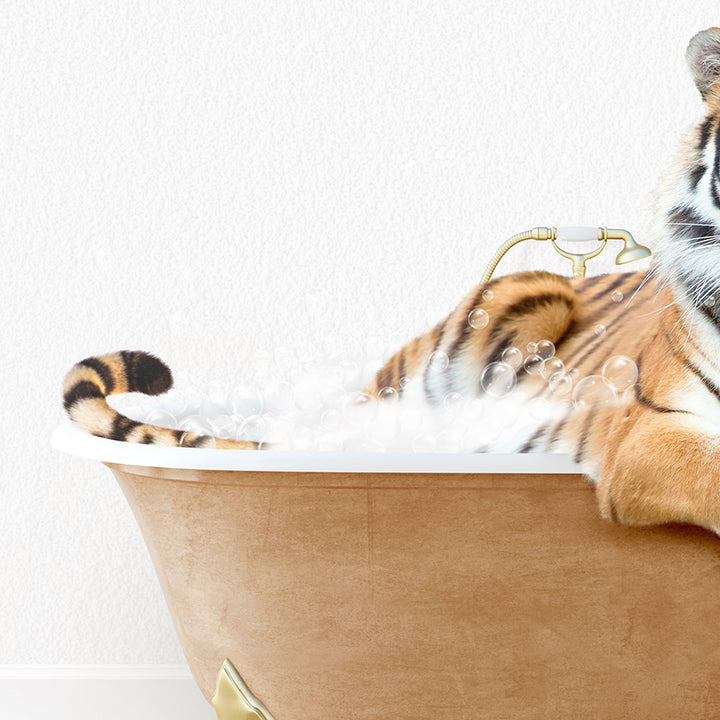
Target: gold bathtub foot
233, 699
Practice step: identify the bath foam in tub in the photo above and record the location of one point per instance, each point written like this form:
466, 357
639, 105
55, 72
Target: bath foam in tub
326, 408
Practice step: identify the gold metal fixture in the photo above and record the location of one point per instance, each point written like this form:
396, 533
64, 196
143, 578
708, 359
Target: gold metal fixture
578, 259
631, 249
233, 700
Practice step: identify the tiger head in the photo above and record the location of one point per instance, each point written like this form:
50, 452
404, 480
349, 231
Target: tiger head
687, 219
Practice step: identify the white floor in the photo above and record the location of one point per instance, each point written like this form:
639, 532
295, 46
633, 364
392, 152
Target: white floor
107, 693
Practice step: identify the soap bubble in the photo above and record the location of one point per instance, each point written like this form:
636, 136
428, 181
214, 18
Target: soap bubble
197, 424
404, 381
498, 379
360, 409
512, 356
545, 349
254, 428
190, 439
617, 296
226, 426
439, 361
161, 418
593, 391
488, 295
452, 402
560, 383
620, 371
551, 366
388, 394
194, 427
532, 348
478, 319
709, 302
533, 364
600, 330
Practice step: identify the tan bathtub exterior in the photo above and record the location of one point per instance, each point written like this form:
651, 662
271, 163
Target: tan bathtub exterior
342, 596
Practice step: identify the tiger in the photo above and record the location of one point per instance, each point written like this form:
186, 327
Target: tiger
654, 453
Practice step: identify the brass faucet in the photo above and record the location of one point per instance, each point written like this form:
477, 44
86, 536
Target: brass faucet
631, 249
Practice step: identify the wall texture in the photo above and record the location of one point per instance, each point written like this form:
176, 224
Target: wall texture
235, 185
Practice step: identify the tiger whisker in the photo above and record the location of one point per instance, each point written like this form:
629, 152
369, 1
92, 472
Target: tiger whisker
705, 224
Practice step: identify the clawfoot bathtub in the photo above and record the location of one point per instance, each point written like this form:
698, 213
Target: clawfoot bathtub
342, 586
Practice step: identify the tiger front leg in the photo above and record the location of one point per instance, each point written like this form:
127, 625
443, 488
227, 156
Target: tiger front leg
661, 468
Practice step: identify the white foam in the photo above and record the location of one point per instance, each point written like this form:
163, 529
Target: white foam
325, 409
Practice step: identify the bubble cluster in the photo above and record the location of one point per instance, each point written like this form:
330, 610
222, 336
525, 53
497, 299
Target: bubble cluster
325, 407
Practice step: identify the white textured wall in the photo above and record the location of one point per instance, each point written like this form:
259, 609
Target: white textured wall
225, 182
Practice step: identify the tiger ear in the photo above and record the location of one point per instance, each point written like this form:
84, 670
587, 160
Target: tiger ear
703, 57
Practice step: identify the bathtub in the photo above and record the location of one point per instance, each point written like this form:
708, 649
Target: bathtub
349, 586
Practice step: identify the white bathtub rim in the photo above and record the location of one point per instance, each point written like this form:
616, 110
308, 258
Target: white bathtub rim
69, 439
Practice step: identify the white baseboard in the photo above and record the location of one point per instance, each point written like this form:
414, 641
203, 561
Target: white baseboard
107, 692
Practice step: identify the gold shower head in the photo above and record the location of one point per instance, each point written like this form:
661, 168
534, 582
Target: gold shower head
632, 250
